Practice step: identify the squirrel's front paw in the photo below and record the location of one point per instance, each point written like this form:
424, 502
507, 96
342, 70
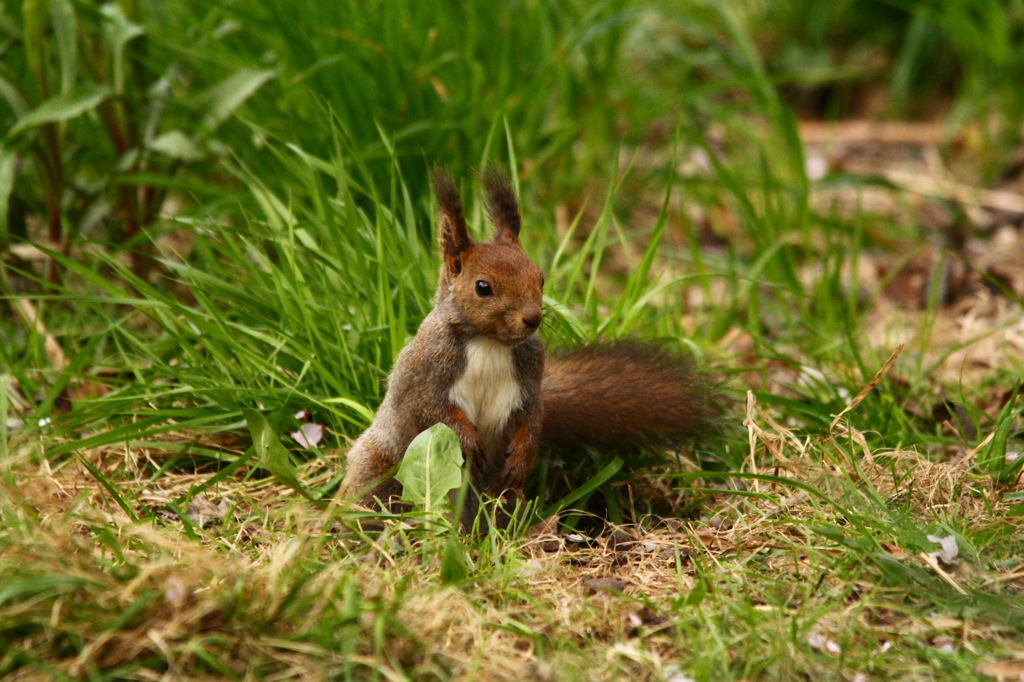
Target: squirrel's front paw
512, 477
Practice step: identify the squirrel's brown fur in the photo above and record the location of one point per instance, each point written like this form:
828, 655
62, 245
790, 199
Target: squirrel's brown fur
624, 396
477, 365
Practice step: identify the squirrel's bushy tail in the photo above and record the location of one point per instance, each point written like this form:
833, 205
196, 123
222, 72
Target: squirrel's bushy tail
623, 396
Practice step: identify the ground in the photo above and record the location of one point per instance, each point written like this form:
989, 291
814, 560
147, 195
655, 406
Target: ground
217, 236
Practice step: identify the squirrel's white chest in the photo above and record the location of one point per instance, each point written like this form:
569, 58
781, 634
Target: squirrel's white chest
488, 391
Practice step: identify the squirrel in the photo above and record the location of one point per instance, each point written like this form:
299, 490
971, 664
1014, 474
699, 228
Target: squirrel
478, 366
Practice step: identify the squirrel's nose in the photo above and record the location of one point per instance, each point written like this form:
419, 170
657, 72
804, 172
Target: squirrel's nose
531, 320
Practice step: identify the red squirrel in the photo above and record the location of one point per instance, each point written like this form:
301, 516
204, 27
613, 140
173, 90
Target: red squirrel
477, 365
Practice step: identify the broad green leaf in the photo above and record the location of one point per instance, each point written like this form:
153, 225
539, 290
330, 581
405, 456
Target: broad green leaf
65, 28
231, 93
8, 162
177, 145
270, 454
431, 468
62, 108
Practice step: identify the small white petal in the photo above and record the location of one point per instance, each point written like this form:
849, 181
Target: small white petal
949, 549
816, 167
309, 435
175, 592
818, 641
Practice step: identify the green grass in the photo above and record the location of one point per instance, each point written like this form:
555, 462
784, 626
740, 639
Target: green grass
659, 160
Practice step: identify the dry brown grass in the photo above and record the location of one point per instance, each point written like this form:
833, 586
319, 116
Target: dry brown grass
273, 589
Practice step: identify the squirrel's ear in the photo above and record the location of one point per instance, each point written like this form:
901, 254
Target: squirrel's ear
502, 207
451, 233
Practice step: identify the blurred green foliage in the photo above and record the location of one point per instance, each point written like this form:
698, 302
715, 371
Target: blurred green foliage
289, 140
107, 103
108, 106
927, 54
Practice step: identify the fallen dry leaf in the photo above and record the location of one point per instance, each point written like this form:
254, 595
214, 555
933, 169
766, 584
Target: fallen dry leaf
201, 511
605, 585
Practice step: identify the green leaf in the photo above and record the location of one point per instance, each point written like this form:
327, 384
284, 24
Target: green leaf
119, 31
431, 468
33, 16
9, 26
8, 163
119, 28
65, 29
177, 145
62, 108
697, 594
231, 93
454, 564
362, 410
13, 97
590, 486
993, 456
223, 474
111, 488
23, 588
833, 533
270, 454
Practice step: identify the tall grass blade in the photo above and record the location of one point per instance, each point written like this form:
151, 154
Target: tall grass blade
271, 455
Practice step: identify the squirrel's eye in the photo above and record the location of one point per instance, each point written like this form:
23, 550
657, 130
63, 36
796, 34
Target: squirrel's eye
483, 289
